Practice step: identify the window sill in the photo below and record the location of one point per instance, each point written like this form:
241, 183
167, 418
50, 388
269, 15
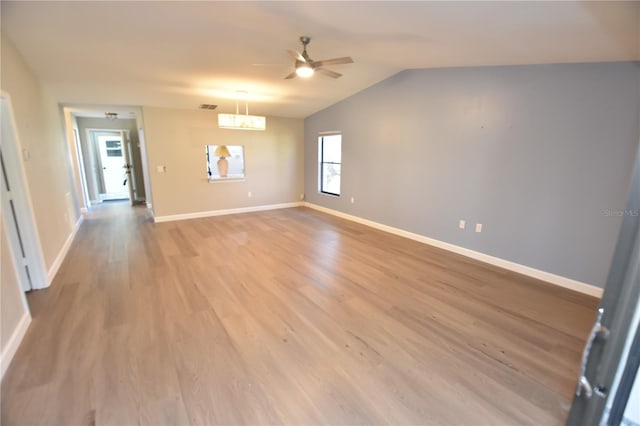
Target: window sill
328, 194
226, 179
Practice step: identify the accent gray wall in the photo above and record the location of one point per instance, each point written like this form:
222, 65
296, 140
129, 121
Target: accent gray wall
538, 154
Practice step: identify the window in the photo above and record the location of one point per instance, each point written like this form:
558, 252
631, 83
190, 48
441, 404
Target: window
113, 148
330, 153
225, 162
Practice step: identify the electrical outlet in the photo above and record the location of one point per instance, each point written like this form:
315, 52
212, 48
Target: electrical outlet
478, 227
161, 169
353, 200
302, 196
249, 194
462, 224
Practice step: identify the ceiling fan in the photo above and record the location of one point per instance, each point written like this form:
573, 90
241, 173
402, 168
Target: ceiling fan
306, 67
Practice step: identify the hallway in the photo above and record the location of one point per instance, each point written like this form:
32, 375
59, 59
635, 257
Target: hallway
288, 316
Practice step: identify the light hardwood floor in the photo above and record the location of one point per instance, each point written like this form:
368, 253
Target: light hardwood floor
288, 317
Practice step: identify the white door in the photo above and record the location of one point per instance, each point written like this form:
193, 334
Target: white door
128, 167
13, 220
112, 161
17, 213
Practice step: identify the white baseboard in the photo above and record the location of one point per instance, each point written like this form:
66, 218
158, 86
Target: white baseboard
558, 280
14, 342
53, 270
225, 212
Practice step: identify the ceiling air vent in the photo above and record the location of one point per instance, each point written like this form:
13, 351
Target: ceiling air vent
208, 106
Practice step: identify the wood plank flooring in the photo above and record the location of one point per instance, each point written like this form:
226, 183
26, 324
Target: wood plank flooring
288, 317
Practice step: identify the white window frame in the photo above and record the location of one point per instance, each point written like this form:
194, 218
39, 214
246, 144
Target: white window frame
321, 162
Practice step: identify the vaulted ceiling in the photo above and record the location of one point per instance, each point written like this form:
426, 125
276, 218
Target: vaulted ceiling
181, 54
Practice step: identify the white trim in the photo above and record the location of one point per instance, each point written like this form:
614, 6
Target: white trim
558, 280
223, 212
14, 342
226, 179
53, 270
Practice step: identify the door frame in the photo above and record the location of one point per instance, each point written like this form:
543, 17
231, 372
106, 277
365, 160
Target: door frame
146, 177
72, 112
128, 147
79, 171
130, 170
13, 155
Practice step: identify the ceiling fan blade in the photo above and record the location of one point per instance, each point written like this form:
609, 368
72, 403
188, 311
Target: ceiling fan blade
328, 73
334, 61
296, 55
292, 75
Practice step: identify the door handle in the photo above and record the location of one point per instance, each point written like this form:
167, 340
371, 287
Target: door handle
598, 330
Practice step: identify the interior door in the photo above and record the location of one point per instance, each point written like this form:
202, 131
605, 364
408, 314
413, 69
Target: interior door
13, 220
128, 166
112, 160
17, 213
603, 353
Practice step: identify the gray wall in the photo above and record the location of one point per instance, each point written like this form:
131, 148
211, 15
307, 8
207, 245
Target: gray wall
90, 155
537, 154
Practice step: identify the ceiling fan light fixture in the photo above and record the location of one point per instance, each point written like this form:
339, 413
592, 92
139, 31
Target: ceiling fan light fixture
305, 67
304, 70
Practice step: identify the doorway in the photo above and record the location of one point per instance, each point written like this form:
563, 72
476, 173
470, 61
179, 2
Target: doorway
114, 164
109, 161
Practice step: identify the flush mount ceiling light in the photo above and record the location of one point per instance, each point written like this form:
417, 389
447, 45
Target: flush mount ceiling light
111, 115
244, 121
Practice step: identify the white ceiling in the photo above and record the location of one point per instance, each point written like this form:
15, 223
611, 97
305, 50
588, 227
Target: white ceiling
181, 54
